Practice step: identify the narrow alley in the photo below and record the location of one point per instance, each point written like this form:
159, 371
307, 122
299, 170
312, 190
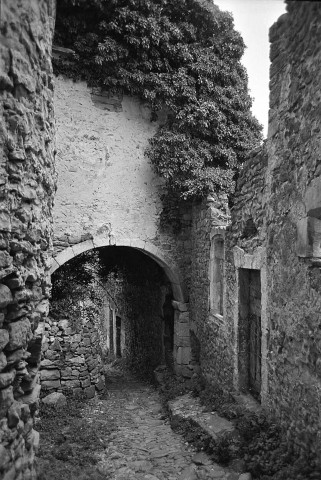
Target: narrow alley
142, 445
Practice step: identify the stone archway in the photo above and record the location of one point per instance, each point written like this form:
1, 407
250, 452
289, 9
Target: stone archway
182, 346
170, 269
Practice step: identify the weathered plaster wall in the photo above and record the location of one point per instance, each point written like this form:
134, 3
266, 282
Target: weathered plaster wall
105, 181
27, 184
106, 185
294, 173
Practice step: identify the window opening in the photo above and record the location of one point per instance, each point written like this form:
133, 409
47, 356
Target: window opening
217, 276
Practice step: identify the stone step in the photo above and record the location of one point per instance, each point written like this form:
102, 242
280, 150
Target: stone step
187, 408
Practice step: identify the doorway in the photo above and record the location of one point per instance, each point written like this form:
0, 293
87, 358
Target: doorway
250, 332
118, 336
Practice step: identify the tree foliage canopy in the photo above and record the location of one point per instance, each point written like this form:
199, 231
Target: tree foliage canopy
181, 55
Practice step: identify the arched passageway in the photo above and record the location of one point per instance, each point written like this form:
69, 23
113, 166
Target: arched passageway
170, 269
112, 302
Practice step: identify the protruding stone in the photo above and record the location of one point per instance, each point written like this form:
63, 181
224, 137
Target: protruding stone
4, 338
5, 296
10, 474
6, 400
15, 357
63, 324
183, 355
5, 457
56, 345
90, 391
14, 414
32, 397
5, 258
46, 363
100, 385
3, 361
55, 399
180, 306
19, 334
50, 384
245, 476
51, 374
6, 378
188, 474
201, 459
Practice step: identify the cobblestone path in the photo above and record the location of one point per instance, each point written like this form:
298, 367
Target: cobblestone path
143, 446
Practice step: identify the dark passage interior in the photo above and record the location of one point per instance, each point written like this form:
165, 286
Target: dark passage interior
250, 331
107, 303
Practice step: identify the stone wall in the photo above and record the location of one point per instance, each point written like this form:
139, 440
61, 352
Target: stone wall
72, 360
27, 185
245, 250
275, 230
208, 339
75, 338
293, 216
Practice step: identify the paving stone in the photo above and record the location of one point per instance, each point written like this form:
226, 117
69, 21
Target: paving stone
144, 447
188, 474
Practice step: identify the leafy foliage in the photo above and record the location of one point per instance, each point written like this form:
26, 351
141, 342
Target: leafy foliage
75, 281
178, 55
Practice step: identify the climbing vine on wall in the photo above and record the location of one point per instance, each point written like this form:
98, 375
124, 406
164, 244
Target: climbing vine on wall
181, 55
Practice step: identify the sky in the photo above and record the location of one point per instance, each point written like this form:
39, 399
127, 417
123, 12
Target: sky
253, 18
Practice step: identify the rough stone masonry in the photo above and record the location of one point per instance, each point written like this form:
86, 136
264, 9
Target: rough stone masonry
27, 186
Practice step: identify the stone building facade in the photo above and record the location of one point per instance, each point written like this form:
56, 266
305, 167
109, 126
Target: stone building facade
246, 291
109, 195
265, 343
27, 184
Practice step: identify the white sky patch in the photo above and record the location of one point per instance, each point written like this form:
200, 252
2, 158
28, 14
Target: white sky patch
253, 18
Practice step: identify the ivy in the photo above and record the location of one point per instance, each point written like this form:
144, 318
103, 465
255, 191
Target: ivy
179, 55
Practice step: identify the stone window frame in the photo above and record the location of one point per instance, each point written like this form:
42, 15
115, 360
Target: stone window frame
254, 261
217, 234
308, 244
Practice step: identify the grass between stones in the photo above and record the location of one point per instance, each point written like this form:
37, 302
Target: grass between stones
264, 450
72, 440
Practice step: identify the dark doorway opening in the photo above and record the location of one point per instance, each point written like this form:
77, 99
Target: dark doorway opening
168, 337
111, 332
250, 332
118, 336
